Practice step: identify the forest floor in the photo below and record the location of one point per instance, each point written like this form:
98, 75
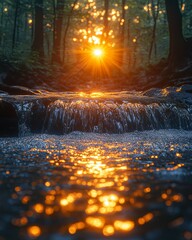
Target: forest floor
54, 78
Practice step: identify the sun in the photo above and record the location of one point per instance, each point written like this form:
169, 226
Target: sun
98, 52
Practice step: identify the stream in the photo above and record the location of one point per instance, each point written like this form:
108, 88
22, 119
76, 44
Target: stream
106, 166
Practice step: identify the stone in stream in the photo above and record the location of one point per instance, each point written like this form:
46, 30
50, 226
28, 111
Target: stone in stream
8, 119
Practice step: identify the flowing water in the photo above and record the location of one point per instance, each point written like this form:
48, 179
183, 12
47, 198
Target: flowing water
89, 184
98, 112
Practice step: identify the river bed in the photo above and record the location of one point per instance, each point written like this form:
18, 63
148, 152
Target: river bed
97, 186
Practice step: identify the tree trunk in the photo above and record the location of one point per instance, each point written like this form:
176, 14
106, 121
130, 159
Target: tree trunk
122, 33
58, 20
67, 28
106, 21
33, 20
37, 45
15, 24
1, 24
178, 53
129, 42
188, 7
155, 13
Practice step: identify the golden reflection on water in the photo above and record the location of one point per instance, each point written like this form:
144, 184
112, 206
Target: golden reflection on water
98, 188
34, 231
105, 179
92, 95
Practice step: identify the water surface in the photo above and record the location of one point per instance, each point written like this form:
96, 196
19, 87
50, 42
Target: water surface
97, 186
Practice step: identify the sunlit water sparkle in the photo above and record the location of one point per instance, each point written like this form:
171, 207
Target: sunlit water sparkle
97, 186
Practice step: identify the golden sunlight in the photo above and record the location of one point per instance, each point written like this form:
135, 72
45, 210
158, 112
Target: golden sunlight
98, 52
92, 95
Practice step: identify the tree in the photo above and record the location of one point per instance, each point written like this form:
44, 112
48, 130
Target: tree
105, 19
58, 20
37, 45
67, 28
15, 24
155, 14
122, 32
179, 52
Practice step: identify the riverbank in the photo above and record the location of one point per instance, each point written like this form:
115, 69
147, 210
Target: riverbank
45, 76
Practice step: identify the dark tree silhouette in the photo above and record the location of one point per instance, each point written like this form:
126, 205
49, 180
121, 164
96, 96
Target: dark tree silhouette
37, 45
155, 15
15, 23
179, 52
58, 20
67, 28
122, 33
105, 19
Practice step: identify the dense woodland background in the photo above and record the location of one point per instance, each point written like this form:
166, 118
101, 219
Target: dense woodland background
51, 40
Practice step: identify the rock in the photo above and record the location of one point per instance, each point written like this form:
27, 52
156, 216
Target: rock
8, 120
3, 93
180, 94
3, 76
16, 90
153, 92
186, 88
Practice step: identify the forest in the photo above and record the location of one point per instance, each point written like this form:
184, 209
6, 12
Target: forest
96, 119
51, 43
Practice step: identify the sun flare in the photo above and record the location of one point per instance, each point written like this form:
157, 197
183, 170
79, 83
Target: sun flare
98, 52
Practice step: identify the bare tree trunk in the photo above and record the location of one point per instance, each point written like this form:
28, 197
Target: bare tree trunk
33, 20
122, 33
1, 24
1, 19
15, 24
188, 7
37, 45
54, 22
129, 41
47, 41
58, 20
67, 28
25, 26
178, 52
148, 10
155, 12
105, 19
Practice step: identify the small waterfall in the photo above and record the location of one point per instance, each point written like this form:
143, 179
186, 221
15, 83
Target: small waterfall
25, 116
110, 117
23, 110
22, 117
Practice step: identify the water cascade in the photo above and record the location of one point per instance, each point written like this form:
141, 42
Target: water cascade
110, 117
101, 116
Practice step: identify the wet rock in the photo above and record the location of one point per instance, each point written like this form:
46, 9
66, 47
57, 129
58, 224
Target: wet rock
152, 92
8, 120
179, 94
186, 88
3, 93
16, 90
